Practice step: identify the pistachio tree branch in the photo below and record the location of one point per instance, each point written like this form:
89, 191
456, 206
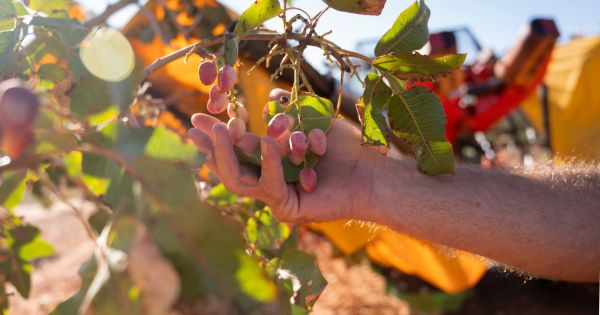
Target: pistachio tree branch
337, 53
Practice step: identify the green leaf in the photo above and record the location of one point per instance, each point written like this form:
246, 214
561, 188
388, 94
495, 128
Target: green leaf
165, 144
6, 41
366, 7
89, 96
419, 67
73, 163
20, 8
7, 9
56, 23
12, 189
98, 166
26, 245
417, 116
8, 24
409, 32
291, 172
258, 13
231, 47
132, 142
220, 196
53, 72
35, 249
376, 97
316, 112
8, 15
273, 108
265, 232
50, 7
20, 278
253, 281
303, 268
3, 299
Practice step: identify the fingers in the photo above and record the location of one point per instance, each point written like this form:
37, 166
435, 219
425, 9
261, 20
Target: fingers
204, 145
272, 179
204, 122
228, 165
200, 140
249, 143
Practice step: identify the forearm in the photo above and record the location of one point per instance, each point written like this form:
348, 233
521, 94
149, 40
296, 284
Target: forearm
534, 223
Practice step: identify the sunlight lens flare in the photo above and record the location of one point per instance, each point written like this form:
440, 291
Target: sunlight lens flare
107, 54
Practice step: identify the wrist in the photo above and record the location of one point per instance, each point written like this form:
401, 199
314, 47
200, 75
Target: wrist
382, 183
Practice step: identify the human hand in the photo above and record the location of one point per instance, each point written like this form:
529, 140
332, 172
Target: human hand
345, 177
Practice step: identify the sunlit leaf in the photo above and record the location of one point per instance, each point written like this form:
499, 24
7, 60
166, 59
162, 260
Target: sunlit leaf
165, 144
409, 32
8, 15
302, 266
291, 172
265, 232
26, 245
376, 97
419, 67
316, 112
252, 281
36, 248
52, 73
417, 116
231, 47
366, 7
258, 13
12, 189
50, 7
73, 164
220, 196
20, 8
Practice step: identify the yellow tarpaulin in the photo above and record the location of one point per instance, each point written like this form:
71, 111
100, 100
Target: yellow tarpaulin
573, 80
449, 270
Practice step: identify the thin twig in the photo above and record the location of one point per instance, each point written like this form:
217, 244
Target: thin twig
154, 23
110, 10
340, 94
78, 213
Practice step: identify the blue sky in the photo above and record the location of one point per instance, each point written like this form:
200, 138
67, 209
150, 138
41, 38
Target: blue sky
495, 23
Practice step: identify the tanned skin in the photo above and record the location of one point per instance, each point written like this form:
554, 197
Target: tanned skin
543, 221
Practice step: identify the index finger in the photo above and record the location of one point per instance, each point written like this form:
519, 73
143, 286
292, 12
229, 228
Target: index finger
204, 122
